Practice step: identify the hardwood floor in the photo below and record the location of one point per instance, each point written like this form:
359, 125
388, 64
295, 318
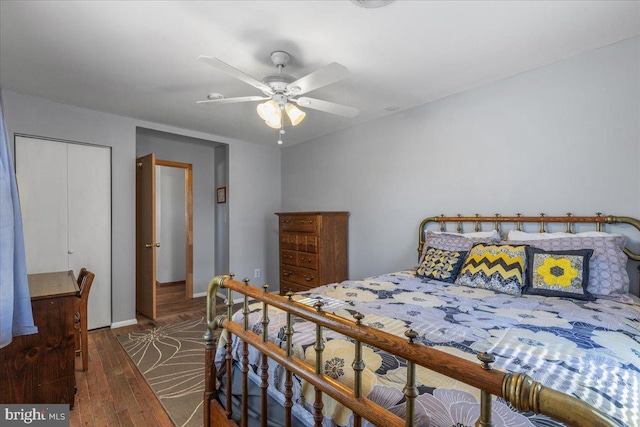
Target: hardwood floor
112, 392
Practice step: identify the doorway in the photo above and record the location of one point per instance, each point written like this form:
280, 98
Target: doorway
164, 229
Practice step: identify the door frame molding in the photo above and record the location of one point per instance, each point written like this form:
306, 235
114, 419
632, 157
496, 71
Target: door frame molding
188, 193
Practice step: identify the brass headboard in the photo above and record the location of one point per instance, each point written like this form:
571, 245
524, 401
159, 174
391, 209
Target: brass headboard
598, 220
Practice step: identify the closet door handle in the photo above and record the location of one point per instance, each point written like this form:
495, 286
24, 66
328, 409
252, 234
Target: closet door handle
151, 245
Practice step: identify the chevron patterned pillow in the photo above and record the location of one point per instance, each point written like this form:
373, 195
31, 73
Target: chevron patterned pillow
499, 268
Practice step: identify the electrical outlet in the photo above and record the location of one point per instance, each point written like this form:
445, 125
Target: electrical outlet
256, 273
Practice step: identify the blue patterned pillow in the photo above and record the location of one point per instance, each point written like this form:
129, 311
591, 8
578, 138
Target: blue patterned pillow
441, 264
558, 273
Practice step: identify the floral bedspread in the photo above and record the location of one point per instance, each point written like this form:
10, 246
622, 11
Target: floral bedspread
590, 350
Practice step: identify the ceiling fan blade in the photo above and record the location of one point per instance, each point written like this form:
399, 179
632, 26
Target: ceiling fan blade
319, 78
233, 100
234, 72
326, 106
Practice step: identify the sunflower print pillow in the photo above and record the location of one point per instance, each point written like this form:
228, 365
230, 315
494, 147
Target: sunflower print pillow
558, 273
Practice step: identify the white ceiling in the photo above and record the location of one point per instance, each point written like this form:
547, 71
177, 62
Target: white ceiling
138, 59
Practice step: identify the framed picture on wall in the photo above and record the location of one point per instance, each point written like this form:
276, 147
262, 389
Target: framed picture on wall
222, 195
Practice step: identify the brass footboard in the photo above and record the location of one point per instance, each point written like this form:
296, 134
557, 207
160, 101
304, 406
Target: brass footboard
521, 391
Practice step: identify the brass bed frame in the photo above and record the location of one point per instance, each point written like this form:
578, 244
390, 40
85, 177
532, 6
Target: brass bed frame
525, 394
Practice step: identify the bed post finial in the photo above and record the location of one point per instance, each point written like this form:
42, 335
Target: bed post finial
411, 334
358, 316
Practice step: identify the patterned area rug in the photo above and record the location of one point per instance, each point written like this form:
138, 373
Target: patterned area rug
171, 360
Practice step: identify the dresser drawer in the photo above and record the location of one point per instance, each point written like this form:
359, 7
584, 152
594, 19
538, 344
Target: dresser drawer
300, 259
306, 223
307, 243
307, 260
301, 276
293, 287
289, 258
288, 241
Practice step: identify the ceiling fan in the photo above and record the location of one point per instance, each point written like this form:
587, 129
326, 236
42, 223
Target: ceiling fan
282, 91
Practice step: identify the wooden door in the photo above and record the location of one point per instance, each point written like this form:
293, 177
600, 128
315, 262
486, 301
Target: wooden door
146, 236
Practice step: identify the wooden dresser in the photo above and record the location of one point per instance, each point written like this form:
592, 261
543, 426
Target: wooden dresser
313, 249
40, 368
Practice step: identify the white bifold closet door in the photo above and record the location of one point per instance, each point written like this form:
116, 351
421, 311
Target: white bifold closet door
65, 197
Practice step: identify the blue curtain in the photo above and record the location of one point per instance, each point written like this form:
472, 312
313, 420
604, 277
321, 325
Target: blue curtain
15, 304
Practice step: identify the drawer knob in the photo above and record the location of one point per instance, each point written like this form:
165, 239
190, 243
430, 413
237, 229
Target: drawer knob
308, 278
286, 273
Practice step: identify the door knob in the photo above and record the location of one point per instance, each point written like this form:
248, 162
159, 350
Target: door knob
70, 251
150, 245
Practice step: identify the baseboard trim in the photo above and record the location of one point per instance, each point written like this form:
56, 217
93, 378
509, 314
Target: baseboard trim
200, 294
122, 324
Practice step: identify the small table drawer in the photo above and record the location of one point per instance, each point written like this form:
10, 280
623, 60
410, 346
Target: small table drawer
302, 276
306, 223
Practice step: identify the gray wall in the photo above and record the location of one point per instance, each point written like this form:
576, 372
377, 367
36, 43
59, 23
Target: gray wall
254, 174
561, 138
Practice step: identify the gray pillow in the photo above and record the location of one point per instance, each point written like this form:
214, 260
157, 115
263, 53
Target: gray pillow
608, 275
453, 242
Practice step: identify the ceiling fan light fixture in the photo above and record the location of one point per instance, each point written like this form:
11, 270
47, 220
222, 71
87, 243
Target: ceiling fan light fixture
274, 122
295, 114
269, 110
